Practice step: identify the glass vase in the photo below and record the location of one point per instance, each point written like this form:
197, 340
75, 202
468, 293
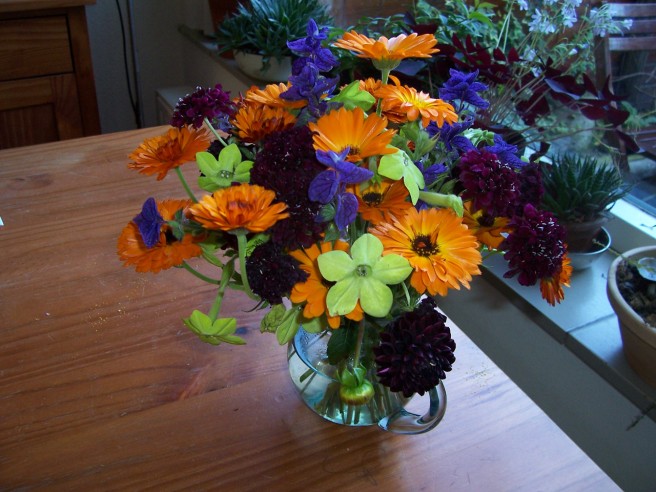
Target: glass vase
315, 380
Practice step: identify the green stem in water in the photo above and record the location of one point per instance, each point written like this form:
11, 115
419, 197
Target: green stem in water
185, 185
228, 269
358, 343
196, 273
216, 134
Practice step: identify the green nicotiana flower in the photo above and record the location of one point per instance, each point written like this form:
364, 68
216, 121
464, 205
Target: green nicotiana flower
399, 165
222, 172
365, 275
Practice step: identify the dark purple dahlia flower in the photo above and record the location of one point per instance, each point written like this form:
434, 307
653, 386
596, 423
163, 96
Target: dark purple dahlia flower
415, 350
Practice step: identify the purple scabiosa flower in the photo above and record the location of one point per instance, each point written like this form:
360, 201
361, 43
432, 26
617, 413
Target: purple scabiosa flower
463, 87
149, 222
331, 184
415, 350
490, 184
505, 152
213, 104
272, 273
531, 189
536, 246
287, 164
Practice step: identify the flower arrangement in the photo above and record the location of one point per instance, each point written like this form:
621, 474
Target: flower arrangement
346, 209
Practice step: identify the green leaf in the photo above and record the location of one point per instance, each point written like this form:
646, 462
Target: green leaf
256, 241
271, 320
340, 344
289, 325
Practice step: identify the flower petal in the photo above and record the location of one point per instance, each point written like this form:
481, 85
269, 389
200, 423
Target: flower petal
366, 250
343, 296
392, 269
375, 297
335, 265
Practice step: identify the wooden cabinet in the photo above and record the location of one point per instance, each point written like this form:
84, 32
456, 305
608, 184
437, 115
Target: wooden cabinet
47, 89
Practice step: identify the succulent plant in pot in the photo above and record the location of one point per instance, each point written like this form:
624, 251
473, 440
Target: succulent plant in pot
580, 191
262, 28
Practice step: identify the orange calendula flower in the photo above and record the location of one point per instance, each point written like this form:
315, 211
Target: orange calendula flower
370, 85
379, 202
243, 206
342, 128
440, 248
552, 287
402, 104
389, 52
314, 290
158, 155
270, 96
487, 229
255, 121
167, 253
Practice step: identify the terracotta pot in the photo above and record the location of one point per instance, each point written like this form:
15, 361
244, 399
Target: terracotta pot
638, 338
580, 235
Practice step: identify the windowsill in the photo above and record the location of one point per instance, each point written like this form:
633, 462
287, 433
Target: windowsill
584, 323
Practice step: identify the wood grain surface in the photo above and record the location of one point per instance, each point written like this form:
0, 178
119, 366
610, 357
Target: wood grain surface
103, 388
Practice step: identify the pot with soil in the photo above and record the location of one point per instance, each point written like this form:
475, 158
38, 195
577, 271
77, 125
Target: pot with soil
632, 294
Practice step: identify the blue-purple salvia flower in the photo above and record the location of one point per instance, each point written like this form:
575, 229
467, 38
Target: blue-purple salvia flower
331, 184
505, 152
306, 80
451, 135
464, 87
149, 222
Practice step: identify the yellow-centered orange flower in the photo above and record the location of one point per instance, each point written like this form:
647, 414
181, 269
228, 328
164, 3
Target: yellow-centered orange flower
314, 290
364, 135
392, 49
243, 206
402, 104
168, 252
158, 155
379, 202
552, 288
255, 121
442, 251
487, 229
270, 96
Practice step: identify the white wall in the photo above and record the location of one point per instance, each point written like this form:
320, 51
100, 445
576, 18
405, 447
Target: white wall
159, 48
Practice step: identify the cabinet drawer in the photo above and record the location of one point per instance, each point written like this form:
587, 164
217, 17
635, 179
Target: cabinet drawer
34, 47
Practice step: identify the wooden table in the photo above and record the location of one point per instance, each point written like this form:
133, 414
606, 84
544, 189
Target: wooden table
103, 387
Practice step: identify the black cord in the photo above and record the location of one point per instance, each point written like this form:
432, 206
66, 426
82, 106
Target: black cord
133, 102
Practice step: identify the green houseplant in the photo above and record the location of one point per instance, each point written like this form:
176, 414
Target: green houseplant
258, 32
580, 191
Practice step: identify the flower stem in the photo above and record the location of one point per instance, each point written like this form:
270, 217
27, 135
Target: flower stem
185, 185
358, 343
196, 273
218, 300
213, 130
241, 243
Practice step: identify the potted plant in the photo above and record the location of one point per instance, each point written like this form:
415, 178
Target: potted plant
580, 191
631, 291
258, 31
